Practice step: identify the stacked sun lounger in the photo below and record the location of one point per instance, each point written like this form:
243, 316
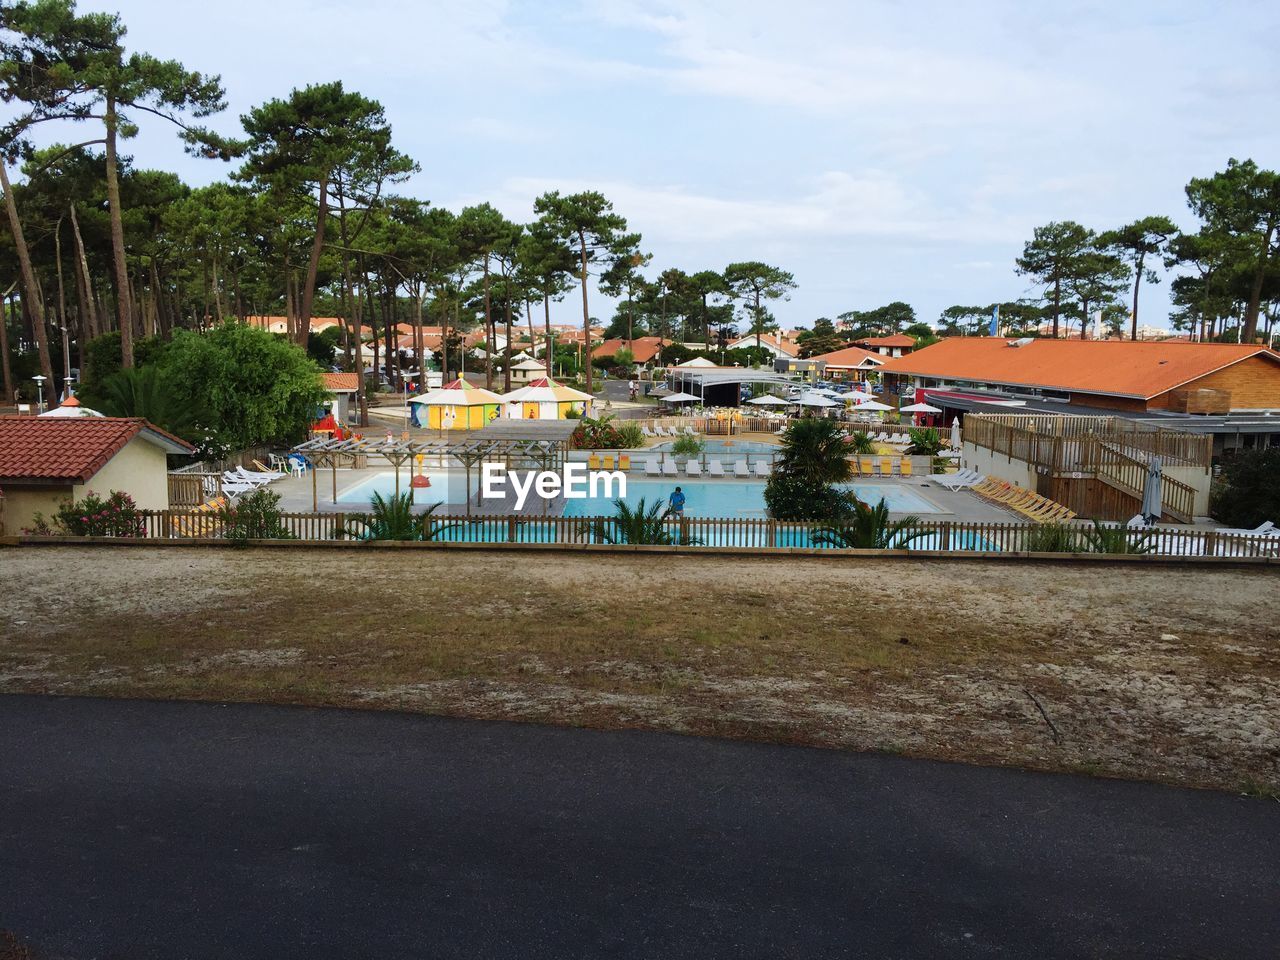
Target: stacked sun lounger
203, 522
1026, 502
958, 480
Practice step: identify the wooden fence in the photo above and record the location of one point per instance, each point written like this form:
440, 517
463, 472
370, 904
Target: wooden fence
745, 532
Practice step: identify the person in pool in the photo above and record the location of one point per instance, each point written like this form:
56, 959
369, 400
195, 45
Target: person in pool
677, 502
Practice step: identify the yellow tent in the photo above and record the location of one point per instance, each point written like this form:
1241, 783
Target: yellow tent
456, 406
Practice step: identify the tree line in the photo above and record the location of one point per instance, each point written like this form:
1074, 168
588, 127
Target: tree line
308, 224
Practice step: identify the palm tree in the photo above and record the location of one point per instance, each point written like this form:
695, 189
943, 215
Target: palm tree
145, 392
1115, 538
815, 450
860, 442
870, 529
645, 524
392, 518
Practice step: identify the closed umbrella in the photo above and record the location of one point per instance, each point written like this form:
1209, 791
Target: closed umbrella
1152, 498
955, 433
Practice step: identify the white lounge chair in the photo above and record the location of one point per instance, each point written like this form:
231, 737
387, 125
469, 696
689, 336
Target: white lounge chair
645, 431
257, 476
669, 469
235, 479
235, 489
652, 469
881, 437
715, 468
763, 468
693, 468
740, 468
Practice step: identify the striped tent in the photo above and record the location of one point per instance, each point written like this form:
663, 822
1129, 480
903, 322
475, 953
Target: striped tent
456, 406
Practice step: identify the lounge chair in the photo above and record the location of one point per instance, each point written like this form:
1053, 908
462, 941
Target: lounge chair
624, 461
231, 479
740, 468
652, 468
645, 431
256, 476
715, 468
904, 467
606, 462
886, 466
763, 468
693, 468
669, 469
593, 462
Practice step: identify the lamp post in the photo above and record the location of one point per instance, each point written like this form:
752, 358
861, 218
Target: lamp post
39, 379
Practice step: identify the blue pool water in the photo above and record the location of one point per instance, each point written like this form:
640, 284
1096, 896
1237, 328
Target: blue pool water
728, 447
729, 498
385, 484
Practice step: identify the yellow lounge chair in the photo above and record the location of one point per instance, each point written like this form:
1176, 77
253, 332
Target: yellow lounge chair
608, 463
886, 466
905, 466
624, 462
868, 466
593, 462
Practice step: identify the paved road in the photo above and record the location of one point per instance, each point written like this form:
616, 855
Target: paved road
137, 830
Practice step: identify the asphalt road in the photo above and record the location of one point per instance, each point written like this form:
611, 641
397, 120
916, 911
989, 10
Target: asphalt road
137, 830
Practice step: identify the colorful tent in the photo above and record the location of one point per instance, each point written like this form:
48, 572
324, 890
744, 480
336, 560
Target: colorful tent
544, 399
455, 406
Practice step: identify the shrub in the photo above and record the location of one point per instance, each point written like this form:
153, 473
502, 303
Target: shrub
791, 497
1116, 538
1052, 538
687, 445
255, 516
603, 433
116, 516
630, 434
925, 441
392, 518
643, 524
1249, 492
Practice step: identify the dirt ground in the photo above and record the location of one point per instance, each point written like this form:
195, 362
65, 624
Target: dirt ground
1152, 672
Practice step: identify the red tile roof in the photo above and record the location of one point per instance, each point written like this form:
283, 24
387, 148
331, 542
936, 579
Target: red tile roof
643, 349
1123, 368
340, 382
850, 357
897, 340
782, 346
71, 449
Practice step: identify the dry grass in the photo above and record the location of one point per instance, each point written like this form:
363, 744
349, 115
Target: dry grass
1155, 672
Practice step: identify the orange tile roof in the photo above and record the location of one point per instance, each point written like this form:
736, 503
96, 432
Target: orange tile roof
896, 340
849, 357
643, 349
750, 341
340, 382
1123, 368
70, 449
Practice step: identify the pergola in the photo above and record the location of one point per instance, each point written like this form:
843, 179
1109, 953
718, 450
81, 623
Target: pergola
528, 444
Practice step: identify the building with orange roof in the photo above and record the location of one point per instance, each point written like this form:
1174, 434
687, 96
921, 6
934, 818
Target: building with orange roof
850, 363
897, 345
1121, 375
766, 341
643, 349
47, 460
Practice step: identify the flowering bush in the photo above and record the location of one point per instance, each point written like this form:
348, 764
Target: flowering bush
116, 516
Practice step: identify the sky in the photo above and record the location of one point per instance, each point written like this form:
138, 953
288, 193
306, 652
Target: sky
878, 150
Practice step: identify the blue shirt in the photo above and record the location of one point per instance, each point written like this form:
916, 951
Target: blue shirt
677, 501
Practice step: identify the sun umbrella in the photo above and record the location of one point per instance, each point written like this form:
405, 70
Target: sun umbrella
1152, 499
955, 433
679, 398
812, 399
872, 405
769, 400
918, 408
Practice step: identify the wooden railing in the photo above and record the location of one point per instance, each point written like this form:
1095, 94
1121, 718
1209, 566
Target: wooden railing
1128, 475
742, 532
1045, 437
191, 488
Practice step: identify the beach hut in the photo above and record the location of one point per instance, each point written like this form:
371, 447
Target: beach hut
455, 406
544, 399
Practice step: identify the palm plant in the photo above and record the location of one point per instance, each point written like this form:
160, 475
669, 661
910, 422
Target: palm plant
392, 518
814, 450
145, 392
642, 524
1115, 538
925, 441
1052, 538
869, 528
860, 442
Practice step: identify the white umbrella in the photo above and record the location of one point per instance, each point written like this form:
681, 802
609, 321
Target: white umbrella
955, 434
872, 405
918, 408
1152, 499
679, 398
812, 399
769, 400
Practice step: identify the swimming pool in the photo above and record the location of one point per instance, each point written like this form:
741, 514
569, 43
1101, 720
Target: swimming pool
440, 491
728, 447
732, 498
